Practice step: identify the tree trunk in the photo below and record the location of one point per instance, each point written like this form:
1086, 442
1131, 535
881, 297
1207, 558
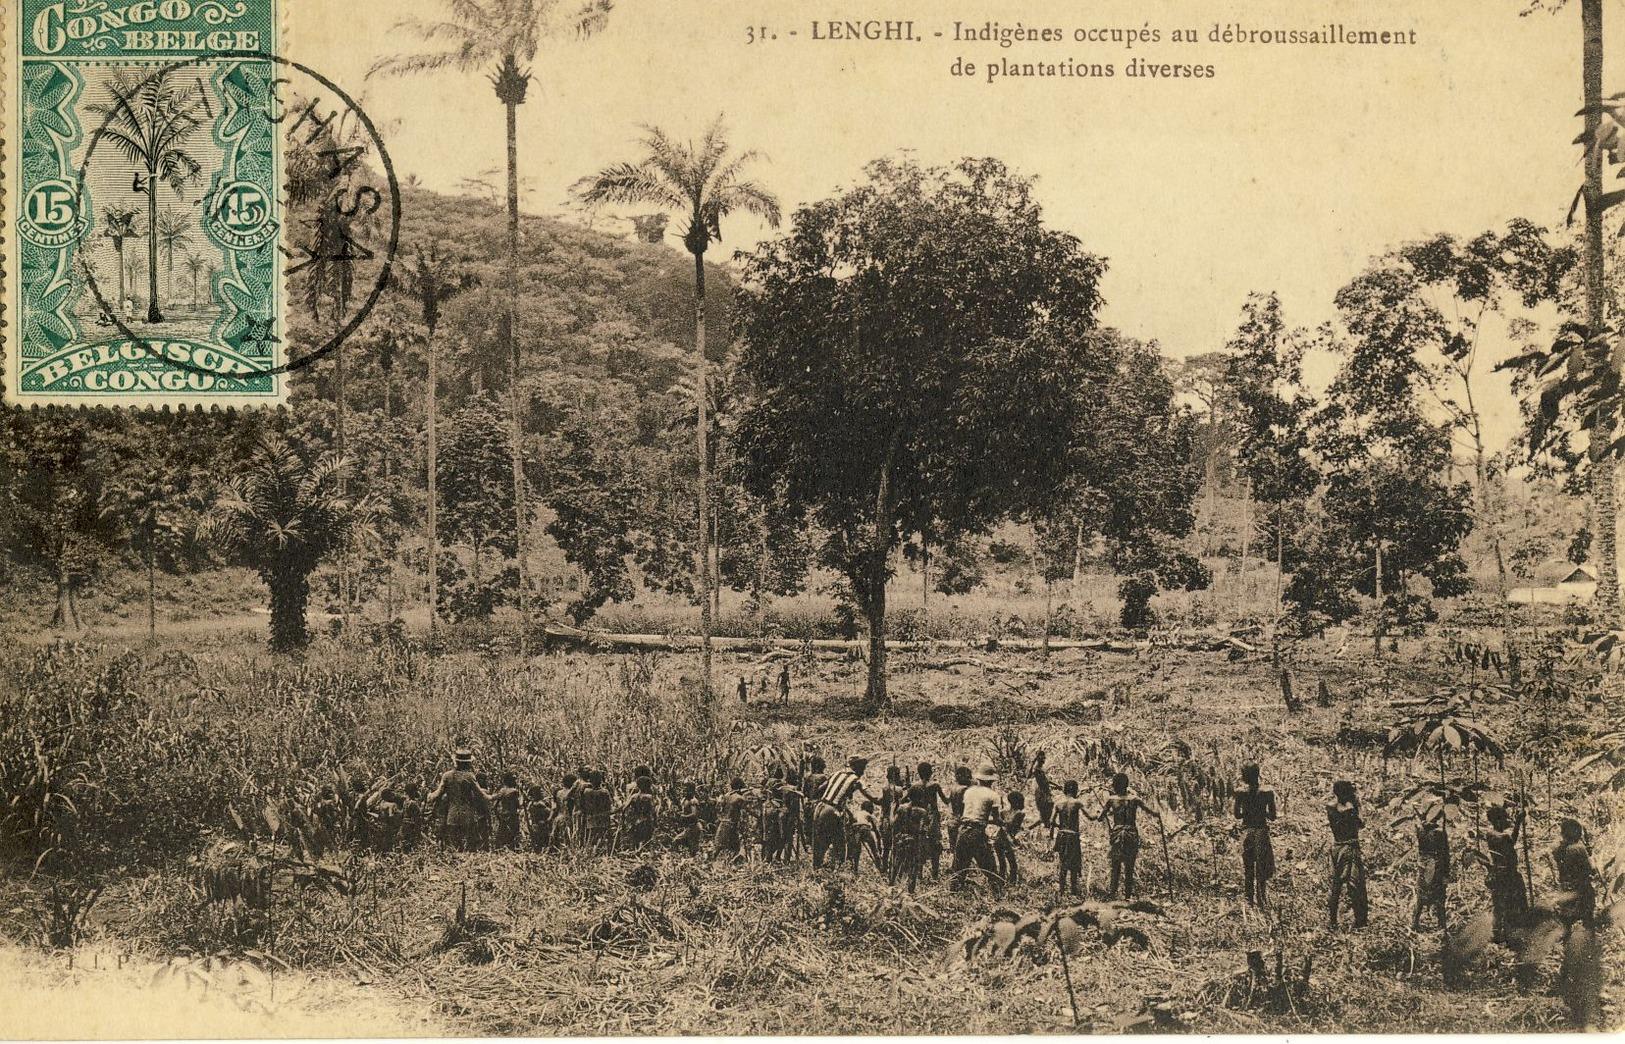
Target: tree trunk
434, 501
1605, 505
1376, 622
703, 441
716, 564
1077, 563
152, 591
118, 248
1246, 532
520, 508
1280, 577
925, 573
1212, 482
154, 315
65, 616
1048, 603
875, 613
875, 602
289, 593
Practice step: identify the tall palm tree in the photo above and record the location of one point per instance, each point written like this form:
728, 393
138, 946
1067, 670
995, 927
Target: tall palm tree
431, 279
173, 231
118, 224
195, 267
702, 183
1605, 498
499, 35
280, 516
150, 121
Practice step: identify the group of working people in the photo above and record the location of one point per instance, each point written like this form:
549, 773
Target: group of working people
905, 825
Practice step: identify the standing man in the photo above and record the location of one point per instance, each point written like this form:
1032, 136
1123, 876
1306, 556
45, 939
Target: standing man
1121, 813
954, 795
731, 822
830, 815
1043, 792
744, 691
1508, 898
1348, 867
465, 802
1255, 807
1068, 815
784, 682
1577, 898
979, 811
931, 836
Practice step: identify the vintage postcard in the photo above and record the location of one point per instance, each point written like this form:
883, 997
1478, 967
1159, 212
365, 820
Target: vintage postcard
660, 517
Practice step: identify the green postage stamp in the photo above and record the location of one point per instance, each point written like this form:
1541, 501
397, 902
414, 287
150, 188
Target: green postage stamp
143, 203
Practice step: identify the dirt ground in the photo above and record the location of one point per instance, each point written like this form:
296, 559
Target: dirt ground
104, 992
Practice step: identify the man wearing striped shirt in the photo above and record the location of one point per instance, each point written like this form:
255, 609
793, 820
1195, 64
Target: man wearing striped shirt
830, 813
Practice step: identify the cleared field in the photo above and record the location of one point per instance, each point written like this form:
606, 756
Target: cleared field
218, 747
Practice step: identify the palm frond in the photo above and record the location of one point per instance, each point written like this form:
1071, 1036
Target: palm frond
750, 197
633, 183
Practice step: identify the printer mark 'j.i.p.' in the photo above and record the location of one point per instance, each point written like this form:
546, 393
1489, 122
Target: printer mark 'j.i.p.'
145, 242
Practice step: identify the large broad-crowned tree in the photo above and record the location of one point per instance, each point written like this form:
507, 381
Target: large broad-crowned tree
915, 354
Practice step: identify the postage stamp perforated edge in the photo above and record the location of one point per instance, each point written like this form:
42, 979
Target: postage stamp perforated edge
274, 386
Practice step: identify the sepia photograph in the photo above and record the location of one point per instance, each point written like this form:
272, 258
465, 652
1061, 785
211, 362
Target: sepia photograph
638, 518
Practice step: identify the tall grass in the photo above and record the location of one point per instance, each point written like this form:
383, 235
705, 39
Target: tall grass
110, 758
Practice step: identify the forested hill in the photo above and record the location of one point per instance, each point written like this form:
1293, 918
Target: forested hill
593, 305
604, 326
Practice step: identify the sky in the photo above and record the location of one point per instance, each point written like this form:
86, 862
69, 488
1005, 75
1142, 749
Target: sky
1287, 171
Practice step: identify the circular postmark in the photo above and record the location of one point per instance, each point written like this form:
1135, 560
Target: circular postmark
293, 193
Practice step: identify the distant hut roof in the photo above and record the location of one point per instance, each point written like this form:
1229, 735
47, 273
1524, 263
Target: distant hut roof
1578, 575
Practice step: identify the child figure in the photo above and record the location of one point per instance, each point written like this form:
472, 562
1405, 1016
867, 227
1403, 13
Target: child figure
1121, 811
892, 796
564, 809
639, 811
1433, 870
688, 820
412, 816
538, 818
708, 811
506, 806
861, 834
1004, 838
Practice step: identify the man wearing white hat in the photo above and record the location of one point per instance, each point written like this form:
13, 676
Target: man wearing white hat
466, 801
971, 846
